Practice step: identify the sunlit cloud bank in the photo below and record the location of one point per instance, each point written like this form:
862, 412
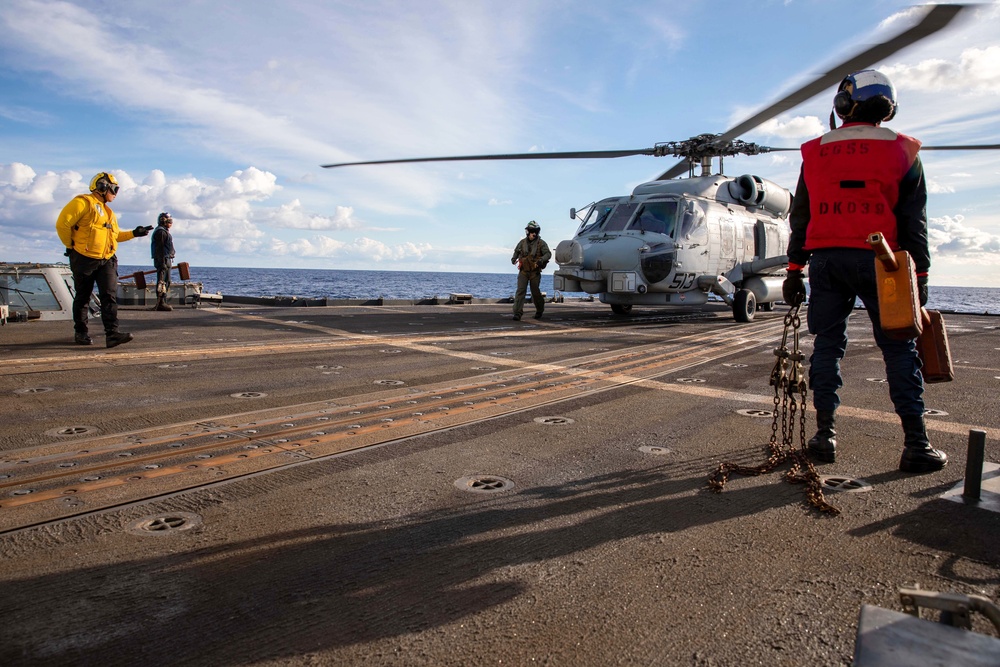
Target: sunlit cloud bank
363, 248
292, 216
230, 216
951, 236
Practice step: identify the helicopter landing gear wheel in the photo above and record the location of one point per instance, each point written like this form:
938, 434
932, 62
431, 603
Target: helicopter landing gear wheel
744, 305
621, 308
767, 307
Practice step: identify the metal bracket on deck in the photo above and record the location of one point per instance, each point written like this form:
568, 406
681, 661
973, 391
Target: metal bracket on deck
955, 607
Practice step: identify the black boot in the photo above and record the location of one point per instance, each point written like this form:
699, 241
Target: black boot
918, 455
823, 445
116, 338
161, 304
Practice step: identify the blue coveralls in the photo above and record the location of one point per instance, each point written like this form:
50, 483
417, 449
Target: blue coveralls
839, 275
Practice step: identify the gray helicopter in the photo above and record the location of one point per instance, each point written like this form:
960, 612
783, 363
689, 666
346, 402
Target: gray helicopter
676, 241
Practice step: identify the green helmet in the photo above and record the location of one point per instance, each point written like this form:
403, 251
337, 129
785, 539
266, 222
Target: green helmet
533, 227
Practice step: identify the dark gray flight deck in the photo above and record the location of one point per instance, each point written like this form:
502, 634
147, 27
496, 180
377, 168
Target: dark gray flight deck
440, 485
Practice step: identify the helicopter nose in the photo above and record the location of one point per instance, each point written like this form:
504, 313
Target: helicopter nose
569, 253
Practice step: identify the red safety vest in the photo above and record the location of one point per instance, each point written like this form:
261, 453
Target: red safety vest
853, 175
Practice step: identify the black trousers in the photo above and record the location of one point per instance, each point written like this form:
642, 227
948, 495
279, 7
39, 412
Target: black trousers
162, 277
88, 272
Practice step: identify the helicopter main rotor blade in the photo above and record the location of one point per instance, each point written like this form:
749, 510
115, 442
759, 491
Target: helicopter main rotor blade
936, 18
968, 147
507, 156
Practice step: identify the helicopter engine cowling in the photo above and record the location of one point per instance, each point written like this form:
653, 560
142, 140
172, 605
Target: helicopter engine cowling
756, 191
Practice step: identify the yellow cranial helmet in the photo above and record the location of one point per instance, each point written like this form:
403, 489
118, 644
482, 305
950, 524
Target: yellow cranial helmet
104, 182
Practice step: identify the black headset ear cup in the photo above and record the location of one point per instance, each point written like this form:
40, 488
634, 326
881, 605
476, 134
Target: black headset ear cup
843, 104
103, 184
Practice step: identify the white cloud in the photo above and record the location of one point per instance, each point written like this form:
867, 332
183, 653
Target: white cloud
951, 236
363, 248
798, 128
976, 72
936, 187
25, 115
293, 216
190, 198
906, 17
21, 186
144, 78
217, 212
16, 175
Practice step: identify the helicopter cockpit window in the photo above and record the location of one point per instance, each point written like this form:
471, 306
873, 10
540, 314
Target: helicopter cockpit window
599, 212
27, 290
657, 217
692, 223
620, 217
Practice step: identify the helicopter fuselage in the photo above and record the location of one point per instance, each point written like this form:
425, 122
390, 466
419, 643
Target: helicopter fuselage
675, 242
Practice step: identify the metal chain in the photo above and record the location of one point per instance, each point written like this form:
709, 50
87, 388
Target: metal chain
789, 383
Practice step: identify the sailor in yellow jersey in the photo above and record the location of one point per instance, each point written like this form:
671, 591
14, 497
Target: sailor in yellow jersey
89, 229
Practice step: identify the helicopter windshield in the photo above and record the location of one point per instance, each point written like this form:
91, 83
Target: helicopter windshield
656, 216
599, 212
620, 217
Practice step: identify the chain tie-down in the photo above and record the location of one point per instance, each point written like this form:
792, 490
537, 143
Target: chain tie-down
789, 382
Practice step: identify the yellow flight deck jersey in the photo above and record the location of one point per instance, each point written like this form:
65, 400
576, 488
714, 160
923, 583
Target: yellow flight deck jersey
89, 226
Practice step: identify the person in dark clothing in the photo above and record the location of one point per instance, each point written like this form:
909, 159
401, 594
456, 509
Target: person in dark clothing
531, 254
162, 247
855, 180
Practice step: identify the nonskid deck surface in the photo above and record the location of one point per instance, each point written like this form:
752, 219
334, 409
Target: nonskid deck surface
317, 485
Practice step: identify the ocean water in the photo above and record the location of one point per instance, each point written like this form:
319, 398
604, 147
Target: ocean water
341, 284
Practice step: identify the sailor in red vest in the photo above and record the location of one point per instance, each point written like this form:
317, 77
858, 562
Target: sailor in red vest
855, 180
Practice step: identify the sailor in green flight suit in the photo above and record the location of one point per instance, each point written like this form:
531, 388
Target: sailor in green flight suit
531, 254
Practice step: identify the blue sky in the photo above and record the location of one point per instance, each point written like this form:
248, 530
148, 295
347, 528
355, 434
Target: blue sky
221, 113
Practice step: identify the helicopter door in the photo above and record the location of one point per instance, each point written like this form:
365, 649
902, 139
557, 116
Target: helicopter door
759, 240
767, 240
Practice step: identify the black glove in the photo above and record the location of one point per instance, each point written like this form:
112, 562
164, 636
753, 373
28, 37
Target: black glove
922, 289
141, 231
541, 267
793, 290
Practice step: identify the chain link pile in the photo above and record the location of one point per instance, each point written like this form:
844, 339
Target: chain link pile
789, 382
